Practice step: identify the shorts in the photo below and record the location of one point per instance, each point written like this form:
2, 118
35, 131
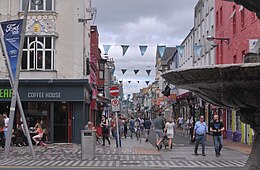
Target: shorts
159, 134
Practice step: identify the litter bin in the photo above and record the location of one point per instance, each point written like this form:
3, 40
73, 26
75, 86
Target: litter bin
88, 144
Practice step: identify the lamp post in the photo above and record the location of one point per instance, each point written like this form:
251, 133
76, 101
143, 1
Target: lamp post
15, 95
211, 38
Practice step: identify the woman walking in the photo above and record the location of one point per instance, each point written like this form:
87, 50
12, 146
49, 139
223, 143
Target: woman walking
105, 129
169, 129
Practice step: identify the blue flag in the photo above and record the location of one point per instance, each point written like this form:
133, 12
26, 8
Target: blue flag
143, 48
12, 36
106, 49
161, 50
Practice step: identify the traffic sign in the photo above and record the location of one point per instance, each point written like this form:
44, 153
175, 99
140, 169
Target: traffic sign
114, 91
115, 105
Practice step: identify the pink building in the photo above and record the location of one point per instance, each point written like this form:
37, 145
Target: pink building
240, 26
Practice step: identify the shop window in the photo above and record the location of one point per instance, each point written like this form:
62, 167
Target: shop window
38, 53
47, 5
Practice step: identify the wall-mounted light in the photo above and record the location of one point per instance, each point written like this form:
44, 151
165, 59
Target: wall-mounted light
211, 38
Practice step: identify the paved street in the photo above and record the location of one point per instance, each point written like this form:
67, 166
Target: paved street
133, 154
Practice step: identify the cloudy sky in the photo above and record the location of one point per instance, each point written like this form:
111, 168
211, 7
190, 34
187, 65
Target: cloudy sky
141, 22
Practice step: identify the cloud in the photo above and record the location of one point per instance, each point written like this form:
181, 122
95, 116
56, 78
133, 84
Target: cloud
141, 22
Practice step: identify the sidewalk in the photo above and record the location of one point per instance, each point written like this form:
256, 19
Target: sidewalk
244, 148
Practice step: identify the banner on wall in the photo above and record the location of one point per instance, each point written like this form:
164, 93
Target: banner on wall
12, 37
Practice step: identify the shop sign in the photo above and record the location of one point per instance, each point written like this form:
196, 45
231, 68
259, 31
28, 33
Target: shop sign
6, 93
44, 95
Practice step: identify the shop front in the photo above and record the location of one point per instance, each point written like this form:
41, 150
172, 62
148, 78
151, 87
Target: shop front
61, 106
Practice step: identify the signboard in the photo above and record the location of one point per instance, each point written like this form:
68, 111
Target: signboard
12, 35
114, 91
115, 105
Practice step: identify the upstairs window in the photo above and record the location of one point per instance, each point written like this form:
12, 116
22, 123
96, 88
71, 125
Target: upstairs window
38, 53
47, 5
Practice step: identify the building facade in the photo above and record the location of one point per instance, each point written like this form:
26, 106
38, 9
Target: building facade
54, 85
241, 29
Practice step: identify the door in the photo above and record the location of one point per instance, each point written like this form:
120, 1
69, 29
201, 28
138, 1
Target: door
61, 111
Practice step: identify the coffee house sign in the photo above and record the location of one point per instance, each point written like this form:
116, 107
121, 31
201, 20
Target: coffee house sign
44, 95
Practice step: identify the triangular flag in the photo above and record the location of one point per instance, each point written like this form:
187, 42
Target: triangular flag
106, 49
124, 47
136, 71
161, 50
148, 72
147, 82
138, 81
197, 49
120, 81
129, 81
143, 49
180, 50
123, 70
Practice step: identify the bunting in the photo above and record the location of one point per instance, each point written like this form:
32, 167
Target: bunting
161, 50
120, 81
143, 49
197, 49
180, 50
148, 72
138, 82
136, 71
147, 82
106, 49
123, 71
124, 48
129, 82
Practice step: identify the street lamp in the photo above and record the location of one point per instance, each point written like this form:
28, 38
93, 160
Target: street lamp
211, 38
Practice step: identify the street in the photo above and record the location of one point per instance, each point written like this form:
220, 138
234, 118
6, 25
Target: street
132, 155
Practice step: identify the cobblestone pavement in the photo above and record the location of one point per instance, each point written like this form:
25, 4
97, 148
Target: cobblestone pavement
132, 154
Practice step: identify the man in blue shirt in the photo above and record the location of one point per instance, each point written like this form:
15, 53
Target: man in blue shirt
200, 130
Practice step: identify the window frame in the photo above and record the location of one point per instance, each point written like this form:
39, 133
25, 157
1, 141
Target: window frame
33, 46
44, 5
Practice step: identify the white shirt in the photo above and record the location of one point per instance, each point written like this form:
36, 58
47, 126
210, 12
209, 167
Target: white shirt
170, 127
6, 123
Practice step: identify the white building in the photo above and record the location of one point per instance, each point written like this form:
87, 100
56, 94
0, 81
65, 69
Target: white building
53, 80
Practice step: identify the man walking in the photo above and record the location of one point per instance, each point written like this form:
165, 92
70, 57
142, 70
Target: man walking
217, 127
200, 130
159, 126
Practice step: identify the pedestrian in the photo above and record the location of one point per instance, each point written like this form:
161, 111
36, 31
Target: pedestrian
2, 126
132, 126
169, 130
90, 126
118, 136
180, 122
159, 126
147, 125
124, 121
105, 129
38, 138
217, 127
200, 130
6, 120
190, 128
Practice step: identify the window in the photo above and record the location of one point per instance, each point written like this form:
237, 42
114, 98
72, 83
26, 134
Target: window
242, 18
217, 22
47, 5
220, 16
101, 71
243, 54
38, 53
234, 25
234, 59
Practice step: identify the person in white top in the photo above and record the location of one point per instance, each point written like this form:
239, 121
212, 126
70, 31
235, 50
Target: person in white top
169, 129
6, 120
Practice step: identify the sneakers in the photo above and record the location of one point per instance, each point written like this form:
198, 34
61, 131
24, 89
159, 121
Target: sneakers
196, 154
146, 140
203, 154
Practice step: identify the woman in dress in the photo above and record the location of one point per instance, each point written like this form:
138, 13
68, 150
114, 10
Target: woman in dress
169, 129
105, 129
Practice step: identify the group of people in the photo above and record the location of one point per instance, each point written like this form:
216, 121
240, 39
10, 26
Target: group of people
18, 133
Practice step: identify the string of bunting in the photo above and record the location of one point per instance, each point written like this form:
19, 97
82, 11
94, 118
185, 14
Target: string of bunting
161, 49
129, 82
136, 71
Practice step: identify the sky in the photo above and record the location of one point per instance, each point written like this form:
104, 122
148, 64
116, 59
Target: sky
140, 22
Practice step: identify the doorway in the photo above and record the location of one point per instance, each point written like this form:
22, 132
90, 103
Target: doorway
61, 117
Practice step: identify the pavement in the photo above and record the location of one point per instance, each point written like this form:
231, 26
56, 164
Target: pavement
133, 154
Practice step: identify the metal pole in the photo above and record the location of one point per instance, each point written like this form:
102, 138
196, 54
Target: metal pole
117, 129
11, 80
15, 87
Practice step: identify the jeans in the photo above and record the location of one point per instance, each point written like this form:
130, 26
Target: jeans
198, 139
119, 140
218, 143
